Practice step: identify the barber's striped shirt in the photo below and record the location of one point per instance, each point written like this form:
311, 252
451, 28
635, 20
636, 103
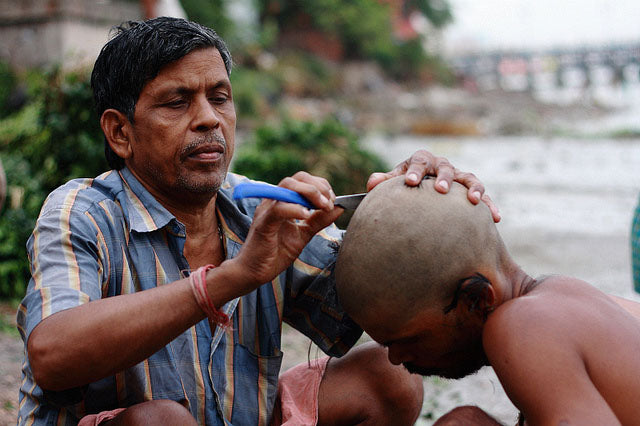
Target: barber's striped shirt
108, 236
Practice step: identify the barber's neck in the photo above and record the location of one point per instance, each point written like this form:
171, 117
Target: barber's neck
196, 217
196, 210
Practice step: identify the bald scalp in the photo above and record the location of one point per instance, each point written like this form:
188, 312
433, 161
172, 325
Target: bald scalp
407, 247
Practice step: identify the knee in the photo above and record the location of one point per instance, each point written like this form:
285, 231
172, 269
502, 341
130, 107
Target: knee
398, 393
401, 392
466, 415
161, 411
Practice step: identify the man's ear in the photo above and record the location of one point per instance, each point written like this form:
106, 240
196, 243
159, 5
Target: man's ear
478, 295
117, 130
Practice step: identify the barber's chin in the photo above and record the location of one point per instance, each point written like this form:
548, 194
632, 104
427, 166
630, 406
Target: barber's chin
203, 186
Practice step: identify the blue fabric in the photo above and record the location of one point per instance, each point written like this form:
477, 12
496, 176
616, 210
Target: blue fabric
107, 236
635, 248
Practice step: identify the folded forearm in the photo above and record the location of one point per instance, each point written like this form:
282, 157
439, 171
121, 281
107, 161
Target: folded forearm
77, 346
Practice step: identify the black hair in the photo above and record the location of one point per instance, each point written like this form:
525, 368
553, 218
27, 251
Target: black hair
136, 54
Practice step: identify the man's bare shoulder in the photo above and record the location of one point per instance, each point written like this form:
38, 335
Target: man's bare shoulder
566, 335
525, 320
558, 309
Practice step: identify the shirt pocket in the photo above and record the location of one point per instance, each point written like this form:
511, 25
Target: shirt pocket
255, 378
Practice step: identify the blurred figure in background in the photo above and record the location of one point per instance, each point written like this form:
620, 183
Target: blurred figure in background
635, 248
3, 186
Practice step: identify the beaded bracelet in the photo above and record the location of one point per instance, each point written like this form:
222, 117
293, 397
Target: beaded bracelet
199, 287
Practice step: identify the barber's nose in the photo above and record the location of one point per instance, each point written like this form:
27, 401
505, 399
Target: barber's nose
206, 116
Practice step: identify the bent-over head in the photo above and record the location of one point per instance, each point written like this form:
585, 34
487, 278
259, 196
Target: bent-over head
407, 249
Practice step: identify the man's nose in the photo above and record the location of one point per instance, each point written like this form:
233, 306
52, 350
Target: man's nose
206, 116
395, 355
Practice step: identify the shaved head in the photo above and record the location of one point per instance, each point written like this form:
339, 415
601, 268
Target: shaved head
407, 248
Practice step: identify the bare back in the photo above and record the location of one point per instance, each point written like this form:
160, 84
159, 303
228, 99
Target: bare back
567, 352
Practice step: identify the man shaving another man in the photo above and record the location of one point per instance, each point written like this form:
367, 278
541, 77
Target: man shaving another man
429, 277
156, 298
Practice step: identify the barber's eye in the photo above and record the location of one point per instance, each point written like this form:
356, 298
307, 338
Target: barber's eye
219, 99
175, 104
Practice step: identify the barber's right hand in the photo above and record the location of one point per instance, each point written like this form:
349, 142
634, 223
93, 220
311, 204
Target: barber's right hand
281, 230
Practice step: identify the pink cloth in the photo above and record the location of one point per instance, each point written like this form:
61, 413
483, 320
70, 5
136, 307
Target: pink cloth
297, 402
96, 419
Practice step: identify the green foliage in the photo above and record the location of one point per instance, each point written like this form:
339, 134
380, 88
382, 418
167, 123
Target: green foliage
210, 13
406, 61
7, 85
305, 75
8, 319
54, 138
16, 222
326, 149
364, 28
438, 12
70, 143
253, 91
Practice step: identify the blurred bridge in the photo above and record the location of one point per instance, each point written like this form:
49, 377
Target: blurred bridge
578, 67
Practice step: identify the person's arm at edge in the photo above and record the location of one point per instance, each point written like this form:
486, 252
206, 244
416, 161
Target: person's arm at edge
628, 305
64, 356
543, 375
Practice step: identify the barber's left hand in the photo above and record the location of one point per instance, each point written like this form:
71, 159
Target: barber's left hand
423, 163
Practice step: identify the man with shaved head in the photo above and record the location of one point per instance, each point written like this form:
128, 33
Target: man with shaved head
428, 276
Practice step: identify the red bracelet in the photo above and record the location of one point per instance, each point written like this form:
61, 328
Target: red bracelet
199, 287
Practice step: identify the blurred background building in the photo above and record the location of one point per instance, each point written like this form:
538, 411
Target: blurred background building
36, 33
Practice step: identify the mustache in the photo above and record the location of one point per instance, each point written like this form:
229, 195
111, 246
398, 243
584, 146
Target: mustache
210, 138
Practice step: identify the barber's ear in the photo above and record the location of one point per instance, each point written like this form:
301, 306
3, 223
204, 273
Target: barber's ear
117, 130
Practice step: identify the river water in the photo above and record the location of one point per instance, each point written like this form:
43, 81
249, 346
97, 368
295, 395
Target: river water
566, 206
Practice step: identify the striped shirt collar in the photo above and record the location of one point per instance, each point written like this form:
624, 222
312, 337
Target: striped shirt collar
146, 214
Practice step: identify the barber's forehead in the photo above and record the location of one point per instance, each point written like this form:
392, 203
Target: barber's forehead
205, 62
210, 55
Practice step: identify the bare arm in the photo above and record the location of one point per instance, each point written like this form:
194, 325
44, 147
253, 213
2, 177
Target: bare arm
80, 345
628, 305
94, 340
533, 346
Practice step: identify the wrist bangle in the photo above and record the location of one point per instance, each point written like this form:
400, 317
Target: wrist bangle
199, 287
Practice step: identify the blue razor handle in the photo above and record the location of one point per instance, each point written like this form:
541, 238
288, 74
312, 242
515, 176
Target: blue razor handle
264, 190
